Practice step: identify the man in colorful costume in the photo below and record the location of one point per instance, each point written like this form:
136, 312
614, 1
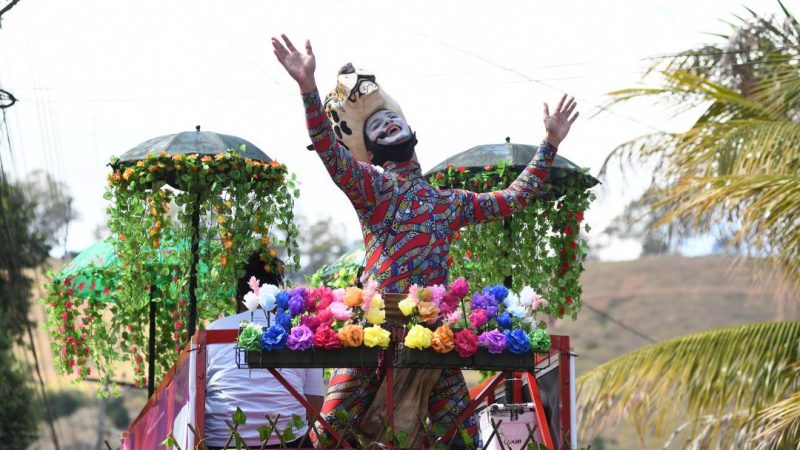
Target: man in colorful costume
407, 224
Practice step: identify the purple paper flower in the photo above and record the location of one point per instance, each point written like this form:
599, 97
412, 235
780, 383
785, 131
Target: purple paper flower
300, 339
494, 341
297, 304
274, 338
486, 302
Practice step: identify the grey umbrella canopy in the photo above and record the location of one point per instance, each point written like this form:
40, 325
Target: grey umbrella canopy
517, 156
194, 142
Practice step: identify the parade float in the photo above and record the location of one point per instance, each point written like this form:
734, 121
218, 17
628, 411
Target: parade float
179, 203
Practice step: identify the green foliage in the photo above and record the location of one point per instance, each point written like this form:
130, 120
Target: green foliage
243, 206
541, 246
19, 416
65, 402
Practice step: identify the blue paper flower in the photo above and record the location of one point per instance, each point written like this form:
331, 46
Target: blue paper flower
517, 341
499, 292
282, 299
274, 338
283, 320
504, 320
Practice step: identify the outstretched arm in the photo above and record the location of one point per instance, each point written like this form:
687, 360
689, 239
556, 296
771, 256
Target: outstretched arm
487, 206
359, 181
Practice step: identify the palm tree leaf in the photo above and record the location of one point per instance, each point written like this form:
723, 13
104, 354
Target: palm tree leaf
742, 368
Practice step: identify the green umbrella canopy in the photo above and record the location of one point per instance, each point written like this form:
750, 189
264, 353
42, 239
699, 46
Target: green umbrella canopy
342, 272
92, 273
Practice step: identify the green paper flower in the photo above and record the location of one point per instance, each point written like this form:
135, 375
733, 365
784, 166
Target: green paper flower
540, 340
250, 335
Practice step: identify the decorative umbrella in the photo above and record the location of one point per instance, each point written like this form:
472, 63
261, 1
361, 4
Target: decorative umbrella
341, 273
185, 143
517, 157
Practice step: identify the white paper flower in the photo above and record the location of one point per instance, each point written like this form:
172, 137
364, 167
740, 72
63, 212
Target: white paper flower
511, 300
517, 311
250, 301
266, 296
529, 297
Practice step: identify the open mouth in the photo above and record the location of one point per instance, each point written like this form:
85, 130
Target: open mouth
392, 129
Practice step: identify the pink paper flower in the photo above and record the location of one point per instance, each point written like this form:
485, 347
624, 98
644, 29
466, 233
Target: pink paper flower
254, 285
340, 311
460, 287
478, 318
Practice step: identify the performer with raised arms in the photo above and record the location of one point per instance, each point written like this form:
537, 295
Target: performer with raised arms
407, 224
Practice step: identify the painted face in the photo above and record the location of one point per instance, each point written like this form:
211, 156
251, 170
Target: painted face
387, 128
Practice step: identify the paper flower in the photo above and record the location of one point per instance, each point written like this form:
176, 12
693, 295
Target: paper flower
325, 316
351, 335
274, 338
498, 291
511, 300
517, 311
454, 317
254, 285
282, 300
540, 340
340, 311
297, 304
529, 297
449, 303
428, 312
418, 337
517, 341
492, 340
478, 318
338, 295
249, 337
437, 293
487, 302
442, 340
504, 320
460, 287
375, 336
321, 298
301, 338
266, 296
250, 301
325, 337
370, 290
376, 316
466, 343
353, 297
282, 319
377, 302
310, 322
407, 306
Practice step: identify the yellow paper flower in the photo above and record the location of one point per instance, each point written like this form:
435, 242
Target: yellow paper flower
376, 316
375, 336
406, 306
418, 337
377, 302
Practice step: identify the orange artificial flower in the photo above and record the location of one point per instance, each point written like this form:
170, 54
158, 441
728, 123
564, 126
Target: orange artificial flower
205, 158
127, 174
428, 311
442, 340
353, 297
139, 163
351, 335
177, 157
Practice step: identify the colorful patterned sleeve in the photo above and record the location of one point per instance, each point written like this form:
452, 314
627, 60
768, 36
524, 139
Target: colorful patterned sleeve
359, 181
488, 206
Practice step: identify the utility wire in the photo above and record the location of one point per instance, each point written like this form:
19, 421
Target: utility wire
619, 323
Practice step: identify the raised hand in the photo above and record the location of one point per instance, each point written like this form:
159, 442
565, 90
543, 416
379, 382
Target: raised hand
557, 124
299, 65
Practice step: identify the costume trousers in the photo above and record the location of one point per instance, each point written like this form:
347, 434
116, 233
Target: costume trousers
353, 390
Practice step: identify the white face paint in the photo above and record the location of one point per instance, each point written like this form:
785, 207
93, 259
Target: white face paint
387, 128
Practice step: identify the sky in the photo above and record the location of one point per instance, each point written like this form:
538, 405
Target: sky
96, 78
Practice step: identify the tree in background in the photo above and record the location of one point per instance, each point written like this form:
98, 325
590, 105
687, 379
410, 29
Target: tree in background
738, 166
321, 243
30, 221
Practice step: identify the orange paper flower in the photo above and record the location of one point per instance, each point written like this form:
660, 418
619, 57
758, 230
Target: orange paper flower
442, 340
351, 335
428, 311
353, 297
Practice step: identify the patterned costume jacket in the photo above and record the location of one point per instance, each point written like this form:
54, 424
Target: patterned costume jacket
407, 224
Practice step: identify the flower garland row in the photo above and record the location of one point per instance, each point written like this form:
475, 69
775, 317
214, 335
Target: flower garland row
443, 318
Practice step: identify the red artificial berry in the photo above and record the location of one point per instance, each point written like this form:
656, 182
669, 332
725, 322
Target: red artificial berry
67, 282
136, 383
71, 363
147, 288
81, 285
70, 291
62, 329
86, 350
568, 230
458, 234
561, 312
178, 325
63, 351
568, 300
53, 305
174, 336
106, 291
133, 349
579, 216
90, 319
462, 169
439, 175
138, 359
489, 183
175, 314
68, 305
488, 167
70, 340
130, 328
174, 278
564, 267
468, 254
450, 261
182, 302
177, 349
92, 286
573, 245
137, 369
64, 316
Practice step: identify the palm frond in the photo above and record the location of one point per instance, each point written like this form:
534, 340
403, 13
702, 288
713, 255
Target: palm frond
780, 424
733, 369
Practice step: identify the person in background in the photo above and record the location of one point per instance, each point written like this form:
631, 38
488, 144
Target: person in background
256, 392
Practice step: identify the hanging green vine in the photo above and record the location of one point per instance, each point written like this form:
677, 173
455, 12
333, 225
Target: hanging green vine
243, 205
540, 246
